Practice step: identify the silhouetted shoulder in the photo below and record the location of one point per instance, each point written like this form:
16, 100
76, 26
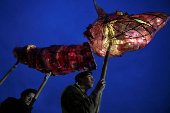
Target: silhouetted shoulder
9, 100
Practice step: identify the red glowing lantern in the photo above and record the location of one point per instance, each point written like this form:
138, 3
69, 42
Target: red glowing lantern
116, 33
124, 32
58, 59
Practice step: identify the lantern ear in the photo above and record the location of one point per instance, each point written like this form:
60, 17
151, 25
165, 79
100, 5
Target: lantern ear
100, 11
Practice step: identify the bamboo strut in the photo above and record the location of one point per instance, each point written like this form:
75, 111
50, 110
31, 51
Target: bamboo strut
3, 79
103, 74
39, 90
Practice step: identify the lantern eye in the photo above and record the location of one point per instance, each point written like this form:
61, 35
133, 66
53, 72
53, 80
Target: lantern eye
140, 21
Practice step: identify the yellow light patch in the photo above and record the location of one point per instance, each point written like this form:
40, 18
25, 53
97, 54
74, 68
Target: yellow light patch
119, 13
30, 46
110, 36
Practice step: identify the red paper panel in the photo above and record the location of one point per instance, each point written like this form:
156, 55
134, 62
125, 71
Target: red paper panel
58, 59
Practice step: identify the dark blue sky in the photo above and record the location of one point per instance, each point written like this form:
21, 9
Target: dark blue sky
137, 82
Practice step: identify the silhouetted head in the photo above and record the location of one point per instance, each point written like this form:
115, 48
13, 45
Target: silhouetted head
85, 79
27, 95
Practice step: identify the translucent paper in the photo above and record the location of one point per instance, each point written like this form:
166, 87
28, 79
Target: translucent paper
58, 59
126, 32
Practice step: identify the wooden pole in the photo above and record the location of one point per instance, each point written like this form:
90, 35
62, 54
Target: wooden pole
103, 74
39, 90
3, 79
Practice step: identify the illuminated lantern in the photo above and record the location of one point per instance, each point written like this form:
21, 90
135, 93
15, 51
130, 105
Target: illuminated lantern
116, 33
58, 59
124, 32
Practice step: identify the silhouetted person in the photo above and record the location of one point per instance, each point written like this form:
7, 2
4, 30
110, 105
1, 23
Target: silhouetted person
74, 98
13, 105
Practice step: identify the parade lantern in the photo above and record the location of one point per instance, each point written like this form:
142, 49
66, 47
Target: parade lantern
55, 60
58, 59
116, 33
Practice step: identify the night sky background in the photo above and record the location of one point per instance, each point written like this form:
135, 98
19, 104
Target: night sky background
137, 82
